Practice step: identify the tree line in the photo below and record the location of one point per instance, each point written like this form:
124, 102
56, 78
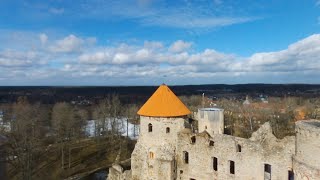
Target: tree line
34, 127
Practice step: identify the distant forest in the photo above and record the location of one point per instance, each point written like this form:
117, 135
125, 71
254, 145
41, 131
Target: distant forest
139, 94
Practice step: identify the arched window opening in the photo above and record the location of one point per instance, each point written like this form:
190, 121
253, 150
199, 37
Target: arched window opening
151, 155
167, 130
211, 143
150, 127
238, 148
186, 157
205, 127
193, 139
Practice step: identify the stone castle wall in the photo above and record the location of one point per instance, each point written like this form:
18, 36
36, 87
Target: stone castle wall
159, 134
306, 161
153, 156
262, 156
249, 163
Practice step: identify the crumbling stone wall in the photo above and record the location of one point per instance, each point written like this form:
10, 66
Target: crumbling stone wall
306, 161
263, 148
116, 173
298, 154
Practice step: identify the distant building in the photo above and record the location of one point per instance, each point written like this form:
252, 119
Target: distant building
264, 100
168, 149
246, 102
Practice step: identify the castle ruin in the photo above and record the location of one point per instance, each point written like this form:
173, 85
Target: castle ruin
169, 149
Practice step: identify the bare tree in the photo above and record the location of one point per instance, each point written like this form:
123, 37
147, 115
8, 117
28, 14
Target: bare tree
132, 116
193, 102
107, 116
80, 120
25, 137
63, 121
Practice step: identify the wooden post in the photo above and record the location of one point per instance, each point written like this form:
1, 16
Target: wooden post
127, 127
62, 158
69, 157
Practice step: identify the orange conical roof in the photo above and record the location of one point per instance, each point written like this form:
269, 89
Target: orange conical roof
163, 103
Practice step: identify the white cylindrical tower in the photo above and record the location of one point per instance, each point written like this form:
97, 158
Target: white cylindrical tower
211, 120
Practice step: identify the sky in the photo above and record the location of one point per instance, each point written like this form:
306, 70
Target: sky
150, 42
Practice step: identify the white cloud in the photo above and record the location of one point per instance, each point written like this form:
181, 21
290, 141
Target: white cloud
180, 46
143, 54
95, 58
150, 61
299, 56
11, 58
91, 40
182, 21
123, 54
153, 45
185, 15
121, 58
43, 38
69, 44
56, 10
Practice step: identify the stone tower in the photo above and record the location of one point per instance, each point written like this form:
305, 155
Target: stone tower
161, 118
211, 120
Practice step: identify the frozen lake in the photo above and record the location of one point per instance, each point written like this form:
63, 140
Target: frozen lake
133, 130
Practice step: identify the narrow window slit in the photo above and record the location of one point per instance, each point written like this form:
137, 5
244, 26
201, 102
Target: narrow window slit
238, 148
149, 127
232, 167
290, 175
151, 155
267, 172
186, 157
193, 139
215, 163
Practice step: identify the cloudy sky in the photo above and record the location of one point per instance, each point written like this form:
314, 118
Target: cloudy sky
148, 42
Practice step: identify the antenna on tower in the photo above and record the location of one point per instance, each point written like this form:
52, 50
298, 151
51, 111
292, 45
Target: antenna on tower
164, 79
